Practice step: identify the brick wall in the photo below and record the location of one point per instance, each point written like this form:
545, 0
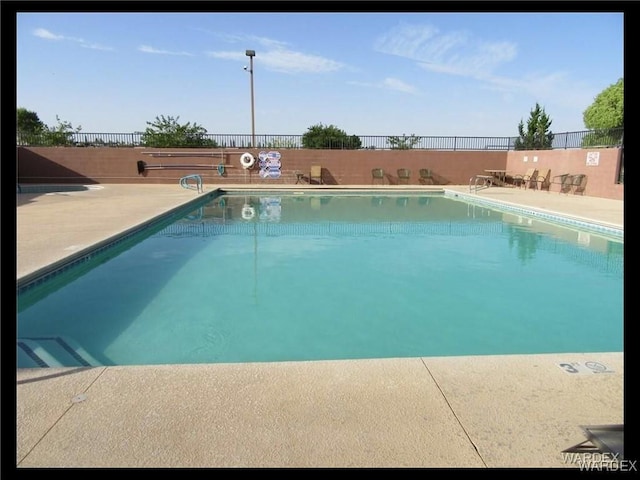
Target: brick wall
64, 165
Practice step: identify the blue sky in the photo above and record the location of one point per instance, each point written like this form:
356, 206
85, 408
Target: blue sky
428, 74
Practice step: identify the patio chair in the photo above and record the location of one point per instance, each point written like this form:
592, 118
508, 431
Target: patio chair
528, 179
377, 174
426, 177
579, 183
543, 179
316, 174
404, 174
565, 181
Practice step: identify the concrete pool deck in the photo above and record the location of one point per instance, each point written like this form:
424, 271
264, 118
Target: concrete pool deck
447, 412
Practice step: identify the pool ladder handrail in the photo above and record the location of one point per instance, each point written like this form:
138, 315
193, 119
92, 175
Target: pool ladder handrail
184, 182
486, 182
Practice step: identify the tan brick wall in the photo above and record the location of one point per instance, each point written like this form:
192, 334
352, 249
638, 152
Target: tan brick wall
601, 178
339, 167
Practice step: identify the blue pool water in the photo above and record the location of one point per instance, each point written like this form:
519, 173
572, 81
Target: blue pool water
290, 277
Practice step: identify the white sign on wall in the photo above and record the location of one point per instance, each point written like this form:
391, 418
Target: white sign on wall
593, 159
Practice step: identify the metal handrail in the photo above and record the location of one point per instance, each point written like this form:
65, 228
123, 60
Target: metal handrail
184, 182
486, 182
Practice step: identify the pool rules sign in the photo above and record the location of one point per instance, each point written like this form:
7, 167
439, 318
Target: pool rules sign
593, 159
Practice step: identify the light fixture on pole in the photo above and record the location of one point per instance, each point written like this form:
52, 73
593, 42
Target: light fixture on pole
251, 54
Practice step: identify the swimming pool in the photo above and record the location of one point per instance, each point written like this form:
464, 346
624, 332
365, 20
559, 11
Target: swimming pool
284, 276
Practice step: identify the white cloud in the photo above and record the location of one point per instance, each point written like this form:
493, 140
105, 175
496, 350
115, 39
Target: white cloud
456, 53
288, 61
399, 85
389, 84
95, 46
461, 54
252, 40
227, 55
148, 49
47, 35
284, 61
407, 41
276, 55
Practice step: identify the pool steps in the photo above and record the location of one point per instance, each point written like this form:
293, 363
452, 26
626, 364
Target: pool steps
52, 352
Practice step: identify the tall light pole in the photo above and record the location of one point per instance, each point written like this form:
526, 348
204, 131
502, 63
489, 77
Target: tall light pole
251, 54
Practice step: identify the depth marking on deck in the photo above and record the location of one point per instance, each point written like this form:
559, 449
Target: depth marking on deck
584, 368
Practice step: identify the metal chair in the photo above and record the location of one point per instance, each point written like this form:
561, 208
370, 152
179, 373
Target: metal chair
426, 176
377, 174
404, 174
579, 183
565, 181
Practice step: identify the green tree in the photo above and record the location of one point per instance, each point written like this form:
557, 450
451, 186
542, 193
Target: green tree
331, 137
29, 127
537, 136
404, 142
605, 116
280, 142
61, 134
167, 132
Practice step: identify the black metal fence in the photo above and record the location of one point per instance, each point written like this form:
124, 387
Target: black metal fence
581, 139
